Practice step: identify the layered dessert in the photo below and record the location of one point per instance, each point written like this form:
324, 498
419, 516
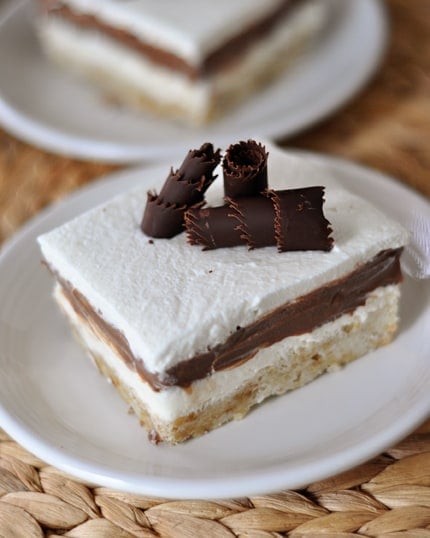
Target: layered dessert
191, 59
195, 327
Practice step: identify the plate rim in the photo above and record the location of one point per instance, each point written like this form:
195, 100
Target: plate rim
52, 138
262, 481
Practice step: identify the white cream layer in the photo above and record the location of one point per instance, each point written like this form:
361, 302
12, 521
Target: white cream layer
174, 402
172, 300
96, 55
189, 28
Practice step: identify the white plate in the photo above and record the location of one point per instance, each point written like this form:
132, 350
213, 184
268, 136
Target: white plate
54, 402
46, 107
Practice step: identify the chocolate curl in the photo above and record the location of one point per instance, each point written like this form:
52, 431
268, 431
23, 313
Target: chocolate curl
164, 213
299, 220
290, 219
176, 191
200, 162
188, 185
245, 169
162, 220
212, 227
256, 220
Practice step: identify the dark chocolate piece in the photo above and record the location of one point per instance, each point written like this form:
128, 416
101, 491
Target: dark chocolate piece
162, 220
256, 220
212, 227
184, 188
291, 219
200, 162
188, 185
300, 223
245, 169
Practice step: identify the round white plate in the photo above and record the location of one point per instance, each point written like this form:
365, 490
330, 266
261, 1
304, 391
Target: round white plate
55, 403
47, 107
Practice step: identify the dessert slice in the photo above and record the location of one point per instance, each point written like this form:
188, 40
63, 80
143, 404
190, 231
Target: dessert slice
190, 59
194, 338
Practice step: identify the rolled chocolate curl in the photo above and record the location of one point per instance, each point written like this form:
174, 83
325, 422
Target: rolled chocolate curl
200, 162
188, 184
212, 227
290, 219
255, 220
162, 220
164, 213
300, 223
175, 191
245, 169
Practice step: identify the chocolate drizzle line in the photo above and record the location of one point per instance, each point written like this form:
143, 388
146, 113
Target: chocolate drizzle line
291, 219
245, 169
184, 188
294, 318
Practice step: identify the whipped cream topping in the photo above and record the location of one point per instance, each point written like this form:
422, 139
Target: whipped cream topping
189, 28
172, 300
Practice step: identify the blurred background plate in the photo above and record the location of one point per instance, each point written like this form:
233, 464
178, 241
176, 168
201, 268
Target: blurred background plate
45, 106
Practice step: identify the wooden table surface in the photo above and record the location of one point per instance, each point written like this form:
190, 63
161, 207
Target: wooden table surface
386, 126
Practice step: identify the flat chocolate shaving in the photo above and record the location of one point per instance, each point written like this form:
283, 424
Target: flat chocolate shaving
291, 219
212, 227
164, 213
245, 169
300, 223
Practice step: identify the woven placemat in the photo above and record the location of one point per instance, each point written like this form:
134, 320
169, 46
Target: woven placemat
388, 127
386, 497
